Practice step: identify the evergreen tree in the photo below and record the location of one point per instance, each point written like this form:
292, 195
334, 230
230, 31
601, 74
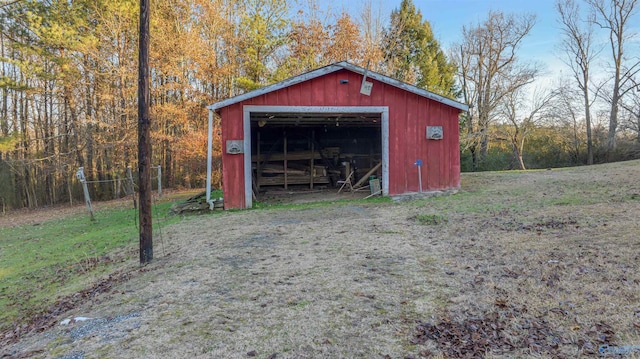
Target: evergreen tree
263, 31
413, 55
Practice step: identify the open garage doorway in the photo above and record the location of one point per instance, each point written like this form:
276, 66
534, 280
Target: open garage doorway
314, 148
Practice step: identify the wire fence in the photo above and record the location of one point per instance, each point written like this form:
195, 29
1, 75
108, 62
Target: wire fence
130, 182
127, 184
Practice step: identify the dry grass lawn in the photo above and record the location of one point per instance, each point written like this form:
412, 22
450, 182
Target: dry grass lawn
537, 264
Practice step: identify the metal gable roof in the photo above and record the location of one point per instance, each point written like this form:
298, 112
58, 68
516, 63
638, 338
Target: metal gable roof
333, 68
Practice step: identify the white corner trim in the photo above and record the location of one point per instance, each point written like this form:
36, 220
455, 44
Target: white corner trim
209, 158
385, 151
248, 178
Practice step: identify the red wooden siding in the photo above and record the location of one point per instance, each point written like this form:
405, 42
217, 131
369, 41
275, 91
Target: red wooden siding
409, 114
232, 165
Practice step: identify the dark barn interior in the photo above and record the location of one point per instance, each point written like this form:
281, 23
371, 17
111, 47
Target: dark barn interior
307, 151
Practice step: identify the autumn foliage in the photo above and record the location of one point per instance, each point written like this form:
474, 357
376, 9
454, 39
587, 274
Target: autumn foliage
68, 83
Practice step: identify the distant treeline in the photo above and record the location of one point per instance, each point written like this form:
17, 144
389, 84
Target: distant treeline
68, 86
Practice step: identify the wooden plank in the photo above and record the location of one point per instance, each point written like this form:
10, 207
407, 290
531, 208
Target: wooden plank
279, 180
279, 169
366, 176
291, 156
258, 171
311, 161
299, 166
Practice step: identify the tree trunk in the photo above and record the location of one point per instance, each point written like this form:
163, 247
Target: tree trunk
73, 125
587, 115
49, 147
144, 139
613, 116
638, 126
483, 128
167, 171
91, 116
26, 193
474, 158
4, 114
519, 149
4, 119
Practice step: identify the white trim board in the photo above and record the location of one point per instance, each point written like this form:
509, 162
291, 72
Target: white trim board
383, 111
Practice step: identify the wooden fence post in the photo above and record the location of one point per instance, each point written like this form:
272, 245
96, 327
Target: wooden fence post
87, 199
159, 181
131, 189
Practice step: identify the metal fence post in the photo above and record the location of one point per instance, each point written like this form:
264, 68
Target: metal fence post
419, 164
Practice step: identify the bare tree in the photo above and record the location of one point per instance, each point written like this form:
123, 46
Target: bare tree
565, 112
615, 16
490, 70
631, 110
372, 31
520, 121
578, 48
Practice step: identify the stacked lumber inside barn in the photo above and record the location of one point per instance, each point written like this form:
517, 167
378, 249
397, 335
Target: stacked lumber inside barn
283, 161
305, 168
274, 172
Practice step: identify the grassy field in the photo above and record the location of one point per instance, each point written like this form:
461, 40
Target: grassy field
527, 264
53, 256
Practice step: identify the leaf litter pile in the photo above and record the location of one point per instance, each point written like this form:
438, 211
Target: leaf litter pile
506, 330
540, 264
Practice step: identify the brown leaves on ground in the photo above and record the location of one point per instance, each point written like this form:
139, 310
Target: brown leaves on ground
47, 319
508, 329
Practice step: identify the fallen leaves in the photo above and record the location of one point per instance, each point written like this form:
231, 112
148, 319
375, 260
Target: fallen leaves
42, 321
469, 338
507, 329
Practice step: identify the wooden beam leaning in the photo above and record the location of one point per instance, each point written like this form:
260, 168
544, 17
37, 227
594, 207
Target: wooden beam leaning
366, 176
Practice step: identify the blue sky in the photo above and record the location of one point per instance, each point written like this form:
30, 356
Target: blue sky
447, 17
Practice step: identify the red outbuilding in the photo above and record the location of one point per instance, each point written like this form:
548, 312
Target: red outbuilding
337, 123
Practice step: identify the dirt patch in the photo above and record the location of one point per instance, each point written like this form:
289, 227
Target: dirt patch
519, 264
299, 194
36, 216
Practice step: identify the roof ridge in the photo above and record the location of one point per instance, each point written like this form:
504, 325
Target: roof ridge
321, 71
